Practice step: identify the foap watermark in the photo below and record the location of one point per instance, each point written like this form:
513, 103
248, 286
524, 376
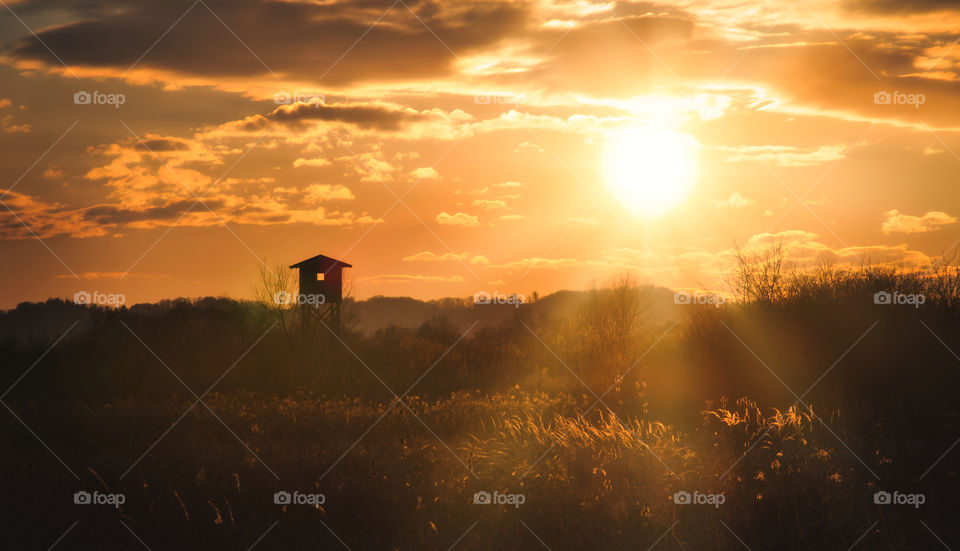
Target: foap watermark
499, 99
896, 297
284, 298
84, 497
287, 98
83, 97
899, 98
96, 298
896, 498
696, 498
484, 297
699, 298
496, 498
296, 498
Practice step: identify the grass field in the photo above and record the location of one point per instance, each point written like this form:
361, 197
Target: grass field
780, 417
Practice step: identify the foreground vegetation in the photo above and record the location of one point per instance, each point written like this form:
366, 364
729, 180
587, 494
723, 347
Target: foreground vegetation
796, 404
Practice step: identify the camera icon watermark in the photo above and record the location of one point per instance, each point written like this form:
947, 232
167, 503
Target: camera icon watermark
897, 498
499, 99
883, 97
886, 298
84, 497
83, 97
283, 298
699, 298
496, 498
696, 498
496, 297
288, 98
96, 298
296, 498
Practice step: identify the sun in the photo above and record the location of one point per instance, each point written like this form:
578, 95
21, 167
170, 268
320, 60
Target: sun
650, 169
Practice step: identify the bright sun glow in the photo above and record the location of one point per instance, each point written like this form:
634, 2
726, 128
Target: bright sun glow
651, 169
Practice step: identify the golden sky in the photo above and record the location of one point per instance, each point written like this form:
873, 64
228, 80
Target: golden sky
450, 147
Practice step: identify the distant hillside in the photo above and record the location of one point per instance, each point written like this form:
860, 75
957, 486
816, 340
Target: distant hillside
379, 312
38, 322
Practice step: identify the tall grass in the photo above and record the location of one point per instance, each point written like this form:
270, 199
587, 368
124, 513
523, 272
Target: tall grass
796, 402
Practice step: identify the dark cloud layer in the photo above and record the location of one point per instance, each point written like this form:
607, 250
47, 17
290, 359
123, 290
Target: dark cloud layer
380, 117
902, 6
301, 40
615, 57
112, 215
163, 144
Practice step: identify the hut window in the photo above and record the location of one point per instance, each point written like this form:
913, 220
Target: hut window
320, 276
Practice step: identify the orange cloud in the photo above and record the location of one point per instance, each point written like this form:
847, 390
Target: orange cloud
311, 162
781, 155
406, 278
735, 201
489, 204
904, 223
457, 219
429, 256
92, 276
427, 173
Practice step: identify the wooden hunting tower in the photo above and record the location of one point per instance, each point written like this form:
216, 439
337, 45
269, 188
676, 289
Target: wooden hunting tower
322, 275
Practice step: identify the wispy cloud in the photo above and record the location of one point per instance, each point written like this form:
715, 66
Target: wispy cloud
897, 222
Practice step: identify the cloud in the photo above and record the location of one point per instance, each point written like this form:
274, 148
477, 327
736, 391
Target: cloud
426, 173
783, 155
489, 204
93, 276
304, 41
735, 201
807, 250
431, 124
711, 268
27, 217
636, 42
163, 144
345, 120
8, 125
370, 166
527, 147
540, 262
311, 162
904, 223
428, 256
52, 173
143, 193
406, 278
457, 219
317, 193
508, 184
543, 49
900, 6
375, 115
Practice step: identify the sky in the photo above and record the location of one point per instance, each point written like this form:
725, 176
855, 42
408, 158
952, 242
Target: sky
166, 148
